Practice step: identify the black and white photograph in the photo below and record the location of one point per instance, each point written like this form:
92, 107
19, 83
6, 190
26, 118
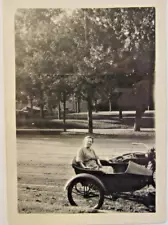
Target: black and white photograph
85, 110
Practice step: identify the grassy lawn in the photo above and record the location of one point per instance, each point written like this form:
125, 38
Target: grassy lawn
103, 120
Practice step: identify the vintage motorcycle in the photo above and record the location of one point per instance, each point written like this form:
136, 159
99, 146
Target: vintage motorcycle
132, 171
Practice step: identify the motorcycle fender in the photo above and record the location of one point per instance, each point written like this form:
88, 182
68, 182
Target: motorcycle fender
84, 175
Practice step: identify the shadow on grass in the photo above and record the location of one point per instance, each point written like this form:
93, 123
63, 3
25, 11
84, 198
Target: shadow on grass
145, 122
83, 124
106, 115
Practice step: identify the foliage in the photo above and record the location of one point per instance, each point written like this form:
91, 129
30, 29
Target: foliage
100, 48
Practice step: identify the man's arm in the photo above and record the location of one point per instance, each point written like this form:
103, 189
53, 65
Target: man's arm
82, 165
97, 159
80, 158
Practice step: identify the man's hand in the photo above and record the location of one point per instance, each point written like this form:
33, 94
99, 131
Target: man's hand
83, 166
100, 165
86, 167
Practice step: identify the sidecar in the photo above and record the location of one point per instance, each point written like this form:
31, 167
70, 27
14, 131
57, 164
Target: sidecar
89, 187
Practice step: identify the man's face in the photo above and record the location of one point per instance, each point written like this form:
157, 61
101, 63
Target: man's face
88, 142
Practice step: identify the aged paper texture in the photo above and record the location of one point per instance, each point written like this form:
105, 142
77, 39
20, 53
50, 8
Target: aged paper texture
114, 217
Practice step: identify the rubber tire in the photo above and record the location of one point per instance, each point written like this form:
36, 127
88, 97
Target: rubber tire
101, 191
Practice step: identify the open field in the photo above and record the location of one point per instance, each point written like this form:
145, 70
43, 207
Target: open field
44, 166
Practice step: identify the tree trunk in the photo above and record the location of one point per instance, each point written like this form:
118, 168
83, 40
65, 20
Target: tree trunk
110, 105
150, 100
78, 105
30, 103
41, 104
31, 107
64, 111
90, 120
120, 114
138, 116
59, 111
50, 112
95, 105
42, 111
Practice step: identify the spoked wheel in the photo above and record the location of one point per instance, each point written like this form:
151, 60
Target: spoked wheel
85, 192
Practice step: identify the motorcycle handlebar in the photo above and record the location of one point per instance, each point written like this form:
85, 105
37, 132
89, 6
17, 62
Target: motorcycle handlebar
146, 146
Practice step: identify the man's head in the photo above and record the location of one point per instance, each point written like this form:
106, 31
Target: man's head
88, 141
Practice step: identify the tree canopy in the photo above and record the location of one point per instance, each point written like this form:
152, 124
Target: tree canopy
87, 44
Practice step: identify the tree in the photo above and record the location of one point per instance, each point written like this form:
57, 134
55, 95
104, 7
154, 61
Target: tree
119, 42
63, 88
36, 51
141, 101
127, 52
86, 43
